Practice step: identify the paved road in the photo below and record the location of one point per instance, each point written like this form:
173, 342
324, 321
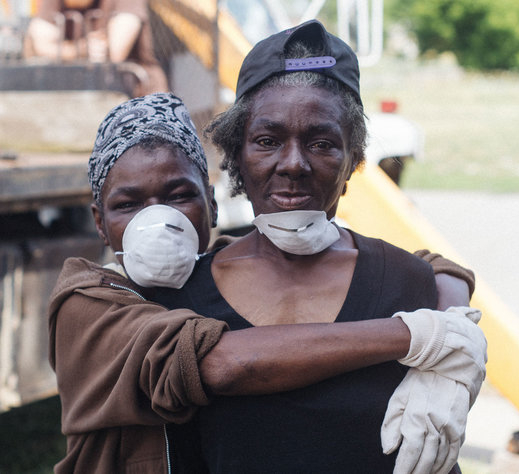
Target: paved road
483, 228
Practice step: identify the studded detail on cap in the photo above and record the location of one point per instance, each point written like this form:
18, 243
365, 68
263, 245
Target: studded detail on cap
306, 64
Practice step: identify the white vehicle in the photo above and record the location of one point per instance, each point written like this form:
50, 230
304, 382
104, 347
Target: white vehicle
392, 140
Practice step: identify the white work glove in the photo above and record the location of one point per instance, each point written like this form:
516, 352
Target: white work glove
449, 343
427, 415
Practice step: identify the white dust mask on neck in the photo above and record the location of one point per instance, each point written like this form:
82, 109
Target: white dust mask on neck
160, 247
298, 232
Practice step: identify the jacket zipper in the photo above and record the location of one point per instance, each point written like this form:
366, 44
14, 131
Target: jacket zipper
120, 287
168, 458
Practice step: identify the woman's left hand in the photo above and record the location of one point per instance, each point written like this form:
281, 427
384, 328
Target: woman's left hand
426, 417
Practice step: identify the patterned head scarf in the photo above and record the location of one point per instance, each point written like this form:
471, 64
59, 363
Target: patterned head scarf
156, 115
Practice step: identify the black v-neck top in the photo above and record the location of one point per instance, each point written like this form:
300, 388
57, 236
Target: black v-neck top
332, 426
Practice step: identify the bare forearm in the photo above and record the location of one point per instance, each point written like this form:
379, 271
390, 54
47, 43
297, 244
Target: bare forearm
452, 291
271, 359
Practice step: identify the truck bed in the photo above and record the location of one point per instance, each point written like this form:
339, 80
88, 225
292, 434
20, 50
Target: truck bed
30, 181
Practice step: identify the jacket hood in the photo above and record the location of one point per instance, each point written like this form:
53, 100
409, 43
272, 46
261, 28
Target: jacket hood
80, 274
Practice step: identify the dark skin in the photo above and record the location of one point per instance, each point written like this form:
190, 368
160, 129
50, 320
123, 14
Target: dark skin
451, 290
295, 157
258, 360
143, 177
295, 154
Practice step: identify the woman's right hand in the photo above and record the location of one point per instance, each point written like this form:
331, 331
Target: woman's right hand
449, 343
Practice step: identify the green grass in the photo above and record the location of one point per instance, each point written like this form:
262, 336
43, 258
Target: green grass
30, 438
470, 122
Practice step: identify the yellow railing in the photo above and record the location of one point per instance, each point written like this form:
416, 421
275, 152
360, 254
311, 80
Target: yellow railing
376, 207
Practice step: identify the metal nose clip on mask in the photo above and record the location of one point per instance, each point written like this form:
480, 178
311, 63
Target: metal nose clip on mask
298, 232
160, 247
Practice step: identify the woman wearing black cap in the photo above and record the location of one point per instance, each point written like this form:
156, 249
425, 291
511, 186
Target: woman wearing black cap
291, 141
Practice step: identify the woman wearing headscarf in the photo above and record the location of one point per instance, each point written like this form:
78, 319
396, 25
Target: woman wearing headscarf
127, 367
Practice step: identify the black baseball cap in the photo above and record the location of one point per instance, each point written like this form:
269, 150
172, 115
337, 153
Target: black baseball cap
268, 58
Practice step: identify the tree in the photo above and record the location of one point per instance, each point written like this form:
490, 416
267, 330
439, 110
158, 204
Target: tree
482, 34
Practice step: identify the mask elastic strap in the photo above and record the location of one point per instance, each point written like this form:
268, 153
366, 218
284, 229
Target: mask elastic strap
285, 229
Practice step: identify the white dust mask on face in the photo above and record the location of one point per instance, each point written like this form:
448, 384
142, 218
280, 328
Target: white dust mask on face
298, 232
160, 247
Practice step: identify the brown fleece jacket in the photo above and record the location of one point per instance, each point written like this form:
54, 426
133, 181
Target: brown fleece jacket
441, 264
125, 367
